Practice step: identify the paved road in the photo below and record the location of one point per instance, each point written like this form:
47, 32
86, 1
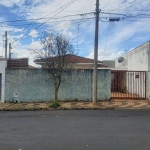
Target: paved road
75, 130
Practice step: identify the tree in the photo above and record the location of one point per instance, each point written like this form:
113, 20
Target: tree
57, 54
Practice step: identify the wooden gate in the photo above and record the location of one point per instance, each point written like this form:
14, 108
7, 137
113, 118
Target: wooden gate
128, 84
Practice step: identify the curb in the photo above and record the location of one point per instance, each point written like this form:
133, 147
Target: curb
60, 108
5, 108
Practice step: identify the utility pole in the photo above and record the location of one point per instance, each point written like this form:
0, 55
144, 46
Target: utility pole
10, 54
6, 45
96, 53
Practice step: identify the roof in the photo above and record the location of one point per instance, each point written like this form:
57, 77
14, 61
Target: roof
17, 63
72, 59
29, 66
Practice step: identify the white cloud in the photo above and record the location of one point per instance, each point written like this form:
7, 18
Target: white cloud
119, 35
10, 3
16, 36
33, 33
102, 55
25, 51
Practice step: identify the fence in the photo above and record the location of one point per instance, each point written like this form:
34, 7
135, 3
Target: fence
29, 85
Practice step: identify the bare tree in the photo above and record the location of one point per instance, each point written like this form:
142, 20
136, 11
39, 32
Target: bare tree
57, 56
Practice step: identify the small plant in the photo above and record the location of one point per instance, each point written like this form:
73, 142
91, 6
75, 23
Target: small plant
54, 105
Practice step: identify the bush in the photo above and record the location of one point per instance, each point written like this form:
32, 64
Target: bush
54, 104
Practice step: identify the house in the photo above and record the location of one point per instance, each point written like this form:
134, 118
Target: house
137, 65
137, 59
17, 63
109, 63
78, 62
13, 63
3, 65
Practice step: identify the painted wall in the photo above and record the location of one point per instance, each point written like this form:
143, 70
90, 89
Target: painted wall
109, 63
136, 59
30, 85
3, 65
148, 76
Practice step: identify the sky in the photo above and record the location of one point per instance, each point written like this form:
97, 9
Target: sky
26, 20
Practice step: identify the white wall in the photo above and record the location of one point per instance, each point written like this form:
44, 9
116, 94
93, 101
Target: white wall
3, 65
148, 77
136, 59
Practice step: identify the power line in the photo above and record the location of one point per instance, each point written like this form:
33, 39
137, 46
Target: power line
48, 17
90, 18
107, 36
73, 20
46, 21
107, 5
123, 5
129, 10
46, 12
66, 5
57, 9
78, 35
129, 16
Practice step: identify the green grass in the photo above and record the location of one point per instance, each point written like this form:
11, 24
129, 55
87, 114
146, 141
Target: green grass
54, 105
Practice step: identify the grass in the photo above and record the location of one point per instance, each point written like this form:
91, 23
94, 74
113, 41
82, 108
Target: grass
54, 105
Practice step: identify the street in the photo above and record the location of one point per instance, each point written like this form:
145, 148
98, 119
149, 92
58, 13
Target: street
75, 130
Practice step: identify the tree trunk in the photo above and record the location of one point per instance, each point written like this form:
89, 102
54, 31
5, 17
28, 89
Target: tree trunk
56, 85
56, 95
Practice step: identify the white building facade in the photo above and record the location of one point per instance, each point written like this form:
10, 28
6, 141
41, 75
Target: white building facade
3, 65
137, 59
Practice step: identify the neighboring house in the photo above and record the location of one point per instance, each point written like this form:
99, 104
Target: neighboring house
78, 62
109, 63
137, 59
137, 63
17, 63
3, 65
13, 63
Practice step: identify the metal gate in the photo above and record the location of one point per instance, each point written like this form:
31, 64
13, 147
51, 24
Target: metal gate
128, 84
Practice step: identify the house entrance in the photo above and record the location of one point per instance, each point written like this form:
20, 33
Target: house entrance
128, 84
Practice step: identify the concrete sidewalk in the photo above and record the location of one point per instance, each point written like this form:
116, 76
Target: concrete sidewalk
113, 104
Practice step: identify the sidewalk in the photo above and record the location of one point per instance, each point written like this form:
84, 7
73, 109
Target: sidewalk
113, 104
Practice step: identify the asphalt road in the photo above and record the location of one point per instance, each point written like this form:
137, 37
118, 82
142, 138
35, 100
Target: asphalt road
75, 130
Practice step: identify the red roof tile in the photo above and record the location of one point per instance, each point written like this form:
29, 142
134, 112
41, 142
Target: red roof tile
72, 59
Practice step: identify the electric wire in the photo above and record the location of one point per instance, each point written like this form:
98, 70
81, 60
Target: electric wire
3, 45
78, 35
48, 18
107, 5
106, 37
73, 20
46, 12
70, 2
123, 5
45, 21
